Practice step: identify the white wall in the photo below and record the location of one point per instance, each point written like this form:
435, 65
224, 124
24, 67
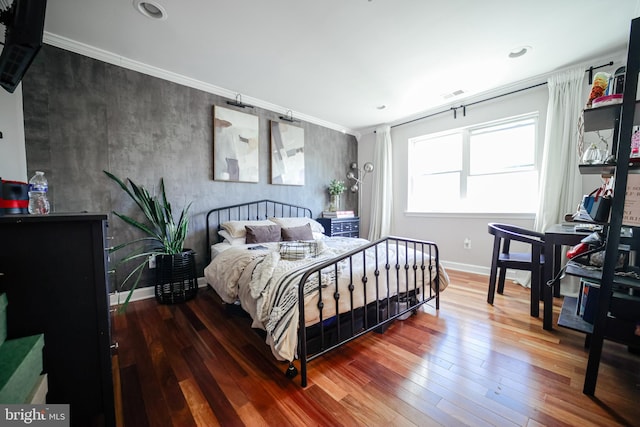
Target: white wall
13, 158
450, 231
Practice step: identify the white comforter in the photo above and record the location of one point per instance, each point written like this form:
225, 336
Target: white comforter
267, 286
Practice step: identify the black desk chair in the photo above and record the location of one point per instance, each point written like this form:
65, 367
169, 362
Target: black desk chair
503, 258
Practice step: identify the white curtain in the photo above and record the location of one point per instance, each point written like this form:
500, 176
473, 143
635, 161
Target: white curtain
560, 180
381, 192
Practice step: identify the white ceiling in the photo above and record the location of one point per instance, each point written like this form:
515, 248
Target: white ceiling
334, 62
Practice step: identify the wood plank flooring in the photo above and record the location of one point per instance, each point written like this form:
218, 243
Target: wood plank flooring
467, 364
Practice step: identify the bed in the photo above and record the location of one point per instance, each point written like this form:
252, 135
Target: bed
311, 293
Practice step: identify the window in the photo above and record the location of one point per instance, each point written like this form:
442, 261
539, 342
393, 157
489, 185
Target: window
484, 168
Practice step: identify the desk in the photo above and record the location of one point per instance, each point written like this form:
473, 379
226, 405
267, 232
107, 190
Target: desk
555, 237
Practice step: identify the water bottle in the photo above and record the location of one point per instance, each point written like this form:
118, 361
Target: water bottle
38, 202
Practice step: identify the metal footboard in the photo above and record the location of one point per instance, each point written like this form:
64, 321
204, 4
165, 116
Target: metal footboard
396, 275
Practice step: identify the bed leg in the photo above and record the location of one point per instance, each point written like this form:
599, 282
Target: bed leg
292, 371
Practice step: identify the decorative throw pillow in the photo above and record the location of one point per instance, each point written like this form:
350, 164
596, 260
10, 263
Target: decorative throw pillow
302, 232
288, 222
236, 228
262, 233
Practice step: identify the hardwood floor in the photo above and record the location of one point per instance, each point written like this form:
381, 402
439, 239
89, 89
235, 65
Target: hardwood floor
467, 364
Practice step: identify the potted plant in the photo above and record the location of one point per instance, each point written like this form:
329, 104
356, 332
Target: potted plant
164, 238
336, 188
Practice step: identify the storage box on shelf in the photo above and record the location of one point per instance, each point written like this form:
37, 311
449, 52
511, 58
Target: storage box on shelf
21, 380
21, 362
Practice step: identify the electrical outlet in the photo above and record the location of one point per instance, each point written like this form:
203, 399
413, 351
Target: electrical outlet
467, 243
152, 261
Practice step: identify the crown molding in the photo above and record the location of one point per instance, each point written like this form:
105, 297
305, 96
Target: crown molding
120, 61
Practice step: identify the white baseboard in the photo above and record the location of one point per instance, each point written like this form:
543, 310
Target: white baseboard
514, 275
468, 268
142, 293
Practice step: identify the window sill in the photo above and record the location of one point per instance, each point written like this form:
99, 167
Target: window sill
479, 215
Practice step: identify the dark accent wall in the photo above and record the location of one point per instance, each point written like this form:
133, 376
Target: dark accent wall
83, 116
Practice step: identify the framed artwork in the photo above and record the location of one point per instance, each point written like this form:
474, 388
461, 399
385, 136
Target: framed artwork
287, 154
235, 146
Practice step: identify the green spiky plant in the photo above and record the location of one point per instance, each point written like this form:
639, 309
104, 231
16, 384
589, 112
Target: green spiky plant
163, 235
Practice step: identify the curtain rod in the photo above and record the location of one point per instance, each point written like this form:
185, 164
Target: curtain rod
464, 106
590, 70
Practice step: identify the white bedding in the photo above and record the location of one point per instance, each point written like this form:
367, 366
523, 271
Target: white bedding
218, 248
267, 286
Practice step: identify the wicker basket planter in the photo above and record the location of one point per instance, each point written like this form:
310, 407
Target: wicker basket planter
176, 279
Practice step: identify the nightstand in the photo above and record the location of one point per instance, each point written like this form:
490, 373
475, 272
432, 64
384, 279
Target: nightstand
346, 227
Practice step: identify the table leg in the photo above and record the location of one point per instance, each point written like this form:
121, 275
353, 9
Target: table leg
547, 315
547, 292
557, 263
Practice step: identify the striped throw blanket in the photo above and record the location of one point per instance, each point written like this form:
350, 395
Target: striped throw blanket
275, 285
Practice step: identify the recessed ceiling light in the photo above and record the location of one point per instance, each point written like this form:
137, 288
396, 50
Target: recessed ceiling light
151, 9
519, 51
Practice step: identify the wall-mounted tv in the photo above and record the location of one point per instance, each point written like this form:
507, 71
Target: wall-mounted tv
24, 25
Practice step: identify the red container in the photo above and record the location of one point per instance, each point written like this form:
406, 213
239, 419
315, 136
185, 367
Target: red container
14, 197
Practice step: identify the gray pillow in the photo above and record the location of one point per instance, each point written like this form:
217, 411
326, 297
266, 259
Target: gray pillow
297, 233
262, 233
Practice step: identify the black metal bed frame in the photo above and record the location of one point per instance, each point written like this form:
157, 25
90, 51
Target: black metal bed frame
415, 263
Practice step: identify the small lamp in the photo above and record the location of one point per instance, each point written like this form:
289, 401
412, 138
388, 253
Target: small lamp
359, 178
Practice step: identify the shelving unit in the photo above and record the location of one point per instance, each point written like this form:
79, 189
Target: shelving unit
618, 300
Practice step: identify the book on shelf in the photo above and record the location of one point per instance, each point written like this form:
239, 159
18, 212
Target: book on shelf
631, 214
338, 214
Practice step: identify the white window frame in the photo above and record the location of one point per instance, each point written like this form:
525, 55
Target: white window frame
465, 172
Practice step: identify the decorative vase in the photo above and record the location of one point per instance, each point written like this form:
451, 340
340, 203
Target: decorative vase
335, 203
593, 155
176, 279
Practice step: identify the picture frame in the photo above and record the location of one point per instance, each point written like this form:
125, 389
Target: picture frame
287, 154
236, 146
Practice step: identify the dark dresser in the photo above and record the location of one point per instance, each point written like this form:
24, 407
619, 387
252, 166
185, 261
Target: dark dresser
53, 270
346, 227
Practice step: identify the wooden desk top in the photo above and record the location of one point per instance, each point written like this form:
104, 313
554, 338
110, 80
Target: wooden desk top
565, 234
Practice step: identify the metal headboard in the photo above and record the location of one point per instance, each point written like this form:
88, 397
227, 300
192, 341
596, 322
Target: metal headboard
261, 209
